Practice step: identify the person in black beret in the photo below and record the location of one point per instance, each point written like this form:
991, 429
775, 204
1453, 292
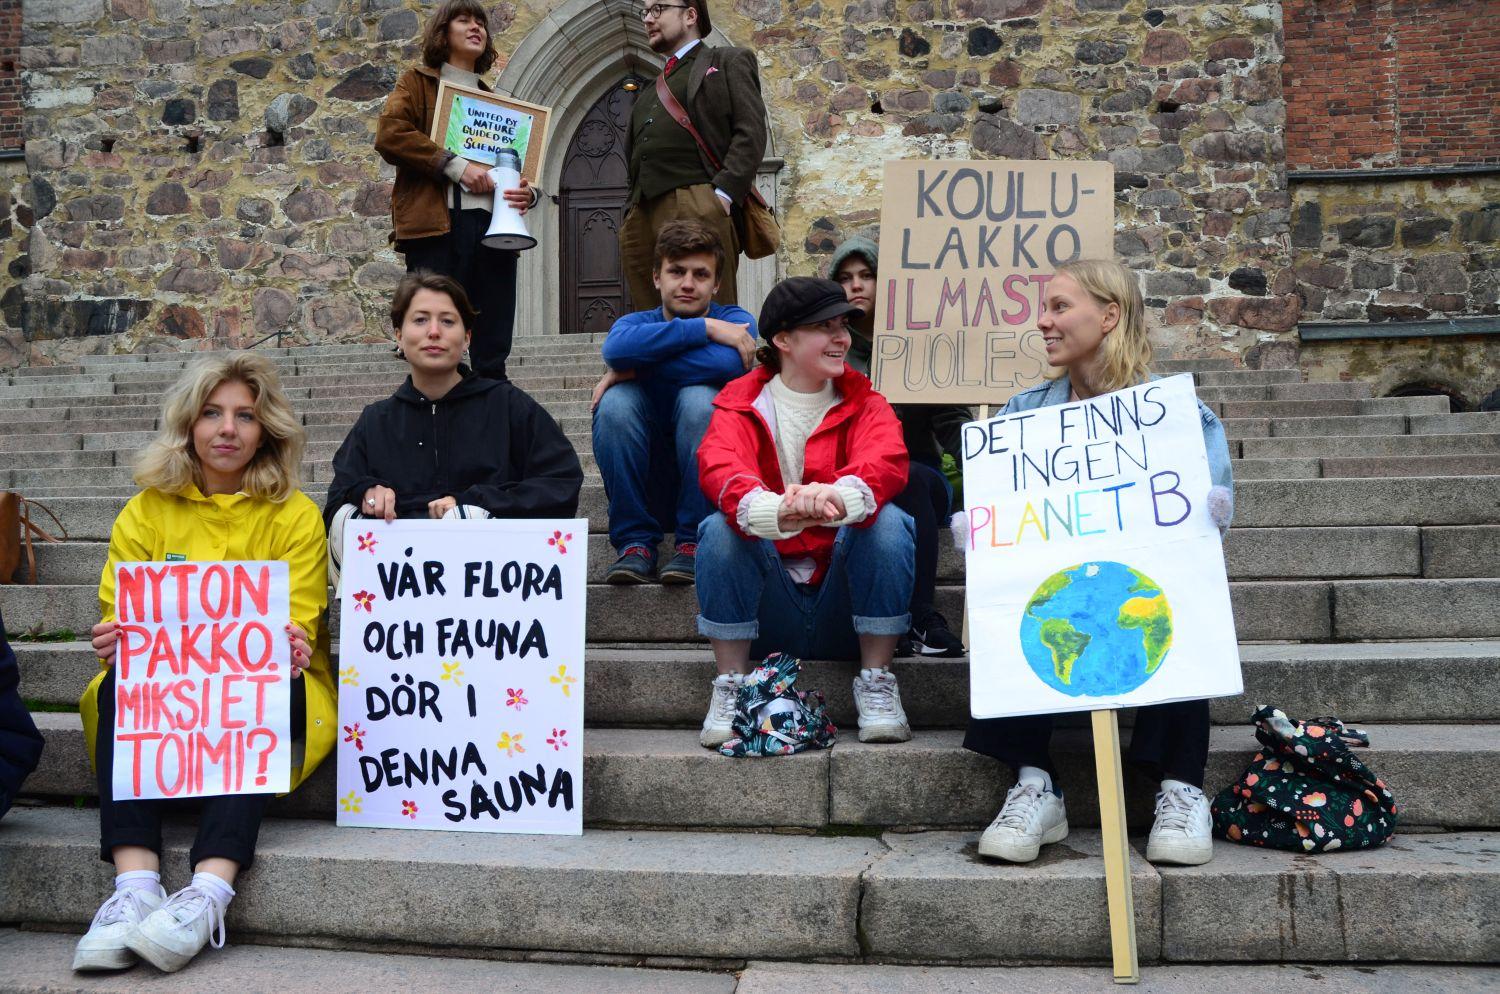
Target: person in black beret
806, 554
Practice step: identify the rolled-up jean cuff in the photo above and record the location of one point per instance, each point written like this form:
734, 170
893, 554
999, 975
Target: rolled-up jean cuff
895, 625
731, 630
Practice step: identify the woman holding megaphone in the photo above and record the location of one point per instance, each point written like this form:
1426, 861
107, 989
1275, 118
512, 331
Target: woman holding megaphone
440, 203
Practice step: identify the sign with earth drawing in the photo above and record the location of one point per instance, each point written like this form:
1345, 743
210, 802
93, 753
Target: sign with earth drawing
1095, 575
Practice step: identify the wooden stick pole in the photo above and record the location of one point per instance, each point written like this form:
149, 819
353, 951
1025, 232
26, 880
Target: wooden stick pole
984, 413
1116, 847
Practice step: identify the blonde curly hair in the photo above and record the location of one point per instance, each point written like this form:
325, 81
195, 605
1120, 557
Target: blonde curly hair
168, 462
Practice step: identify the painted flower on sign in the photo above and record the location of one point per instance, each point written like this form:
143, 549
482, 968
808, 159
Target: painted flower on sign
351, 802
367, 542
515, 697
453, 671
409, 809
510, 743
355, 735
559, 739
362, 601
563, 680
349, 676
561, 541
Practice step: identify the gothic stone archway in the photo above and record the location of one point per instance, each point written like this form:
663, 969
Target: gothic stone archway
573, 57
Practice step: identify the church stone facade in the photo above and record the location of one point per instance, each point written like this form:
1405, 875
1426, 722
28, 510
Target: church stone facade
179, 173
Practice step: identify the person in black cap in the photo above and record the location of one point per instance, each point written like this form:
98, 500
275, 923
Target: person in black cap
806, 554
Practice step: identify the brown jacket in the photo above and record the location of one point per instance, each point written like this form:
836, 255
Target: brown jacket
418, 205
726, 107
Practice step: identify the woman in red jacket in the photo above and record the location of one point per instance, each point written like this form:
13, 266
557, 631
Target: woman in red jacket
806, 554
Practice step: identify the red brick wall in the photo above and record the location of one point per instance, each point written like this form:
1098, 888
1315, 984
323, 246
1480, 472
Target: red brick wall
10, 75
1391, 83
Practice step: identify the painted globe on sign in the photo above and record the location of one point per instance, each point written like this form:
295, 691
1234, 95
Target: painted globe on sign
1096, 629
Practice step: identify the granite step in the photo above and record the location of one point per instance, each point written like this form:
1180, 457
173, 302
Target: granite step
900, 897
38, 963
1250, 553
1264, 610
663, 779
665, 684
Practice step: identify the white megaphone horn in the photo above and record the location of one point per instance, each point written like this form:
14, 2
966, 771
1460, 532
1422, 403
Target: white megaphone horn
507, 226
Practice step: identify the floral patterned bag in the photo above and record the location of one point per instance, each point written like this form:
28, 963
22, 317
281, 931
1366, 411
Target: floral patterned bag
1305, 791
771, 718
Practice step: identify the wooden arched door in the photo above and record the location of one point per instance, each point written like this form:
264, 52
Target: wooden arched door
591, 201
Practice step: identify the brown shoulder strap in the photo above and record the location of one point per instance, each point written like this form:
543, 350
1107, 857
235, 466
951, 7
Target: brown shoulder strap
28, 528
680, 115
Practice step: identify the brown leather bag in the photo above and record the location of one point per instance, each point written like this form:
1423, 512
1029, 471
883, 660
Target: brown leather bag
760, 235
16, 531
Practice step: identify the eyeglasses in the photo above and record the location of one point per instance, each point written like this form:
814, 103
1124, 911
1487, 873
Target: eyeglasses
654, 11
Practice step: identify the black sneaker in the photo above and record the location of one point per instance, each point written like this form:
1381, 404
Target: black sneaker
682, 567
637, 564
931, 636
904, 648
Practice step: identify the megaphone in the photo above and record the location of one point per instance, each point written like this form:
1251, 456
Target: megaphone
507, 226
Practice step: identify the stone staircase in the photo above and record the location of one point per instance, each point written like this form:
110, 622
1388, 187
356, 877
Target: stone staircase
1365, 574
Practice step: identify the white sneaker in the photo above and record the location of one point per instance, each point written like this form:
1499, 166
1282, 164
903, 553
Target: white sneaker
177, 931
1182, 834
881, 718
103, 946
718, 726
1031, 818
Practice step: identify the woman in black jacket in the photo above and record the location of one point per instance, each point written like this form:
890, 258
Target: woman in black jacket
449, 442
20, 742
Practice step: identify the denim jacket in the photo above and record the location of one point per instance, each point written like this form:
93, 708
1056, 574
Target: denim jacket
1051, 393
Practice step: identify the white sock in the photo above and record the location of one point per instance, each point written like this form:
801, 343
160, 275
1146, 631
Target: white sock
1036, 776
1181, 787
215, 887
143, 880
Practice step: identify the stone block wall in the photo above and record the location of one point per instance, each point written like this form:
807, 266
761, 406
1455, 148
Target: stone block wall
201, 170
1397, 250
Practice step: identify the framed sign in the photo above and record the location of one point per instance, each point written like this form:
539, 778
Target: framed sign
967, 248
476, 124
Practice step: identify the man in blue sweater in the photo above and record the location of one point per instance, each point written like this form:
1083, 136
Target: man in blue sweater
665, 367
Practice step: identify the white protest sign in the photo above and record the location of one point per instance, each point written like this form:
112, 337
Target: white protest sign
203, 697
461, 675
1095, 574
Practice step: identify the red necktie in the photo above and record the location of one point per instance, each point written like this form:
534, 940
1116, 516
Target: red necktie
671, 64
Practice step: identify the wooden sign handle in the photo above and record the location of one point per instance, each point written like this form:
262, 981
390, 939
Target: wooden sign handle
1116, 847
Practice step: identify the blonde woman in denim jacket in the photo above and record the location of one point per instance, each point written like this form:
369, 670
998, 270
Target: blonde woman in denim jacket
1095, 332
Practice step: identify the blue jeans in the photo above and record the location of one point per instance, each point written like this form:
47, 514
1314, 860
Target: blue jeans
744, 592
627, 419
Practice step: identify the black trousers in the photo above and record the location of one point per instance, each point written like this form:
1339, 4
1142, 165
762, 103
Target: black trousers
1169, 741
926, 500
227, 826
487, 275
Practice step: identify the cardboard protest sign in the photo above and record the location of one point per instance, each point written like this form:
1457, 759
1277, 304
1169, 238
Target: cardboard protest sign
461, 675
477, 124
203, 698
1095, 576
966, 250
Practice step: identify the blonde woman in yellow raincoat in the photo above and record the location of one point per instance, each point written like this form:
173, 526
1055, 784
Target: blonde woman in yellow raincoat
218, 483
